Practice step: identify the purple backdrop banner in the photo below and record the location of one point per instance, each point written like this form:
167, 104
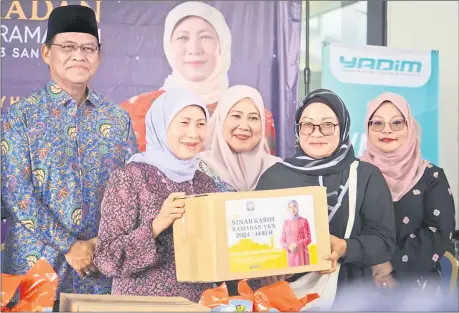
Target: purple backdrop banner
264, 53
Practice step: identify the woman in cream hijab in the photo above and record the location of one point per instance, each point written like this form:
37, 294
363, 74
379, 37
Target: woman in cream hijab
237, 152
197, 44
198, 49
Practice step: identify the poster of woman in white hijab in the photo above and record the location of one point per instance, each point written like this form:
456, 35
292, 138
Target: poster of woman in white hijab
150, 46
271, 233
212, 46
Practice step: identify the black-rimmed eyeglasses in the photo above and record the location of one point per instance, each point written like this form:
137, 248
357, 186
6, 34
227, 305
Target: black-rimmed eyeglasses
325, 128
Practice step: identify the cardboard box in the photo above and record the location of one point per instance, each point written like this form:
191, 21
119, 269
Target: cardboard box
235, 235
112, 303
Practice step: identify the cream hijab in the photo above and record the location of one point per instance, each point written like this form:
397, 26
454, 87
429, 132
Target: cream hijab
240, 170
211, 88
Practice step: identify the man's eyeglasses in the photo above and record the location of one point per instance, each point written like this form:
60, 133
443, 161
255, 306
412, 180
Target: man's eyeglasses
325, 128
379, 125
87, 49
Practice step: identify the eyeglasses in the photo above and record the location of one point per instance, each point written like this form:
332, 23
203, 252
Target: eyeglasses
87, 49
379, 125
325, 128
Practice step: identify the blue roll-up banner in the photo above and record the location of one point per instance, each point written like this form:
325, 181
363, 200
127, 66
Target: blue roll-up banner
359, 74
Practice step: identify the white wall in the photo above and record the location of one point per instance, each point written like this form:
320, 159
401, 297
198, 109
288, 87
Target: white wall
428, 25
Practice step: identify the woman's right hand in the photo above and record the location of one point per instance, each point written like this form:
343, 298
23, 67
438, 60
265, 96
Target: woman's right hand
338, 248
172, 209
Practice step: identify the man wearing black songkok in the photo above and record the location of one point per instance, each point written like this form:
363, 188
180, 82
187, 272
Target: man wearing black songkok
59, 146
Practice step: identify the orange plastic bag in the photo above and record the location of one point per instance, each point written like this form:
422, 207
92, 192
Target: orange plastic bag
37, 289
218, 297
275, 297
280, 296
215, 297
10, 284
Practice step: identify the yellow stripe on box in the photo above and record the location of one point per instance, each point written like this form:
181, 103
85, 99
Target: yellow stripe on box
312, 254
259, 261
247, 256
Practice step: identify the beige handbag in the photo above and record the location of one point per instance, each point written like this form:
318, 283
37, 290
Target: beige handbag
325, 284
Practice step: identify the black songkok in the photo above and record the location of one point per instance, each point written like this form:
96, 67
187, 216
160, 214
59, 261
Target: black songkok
72, 18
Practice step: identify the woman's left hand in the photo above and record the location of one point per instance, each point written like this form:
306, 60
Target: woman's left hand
338, 249
382, 269
386, 281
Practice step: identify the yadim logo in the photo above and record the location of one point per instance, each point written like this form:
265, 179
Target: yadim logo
380, 66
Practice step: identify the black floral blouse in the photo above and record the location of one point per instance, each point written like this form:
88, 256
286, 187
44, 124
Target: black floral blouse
425, 223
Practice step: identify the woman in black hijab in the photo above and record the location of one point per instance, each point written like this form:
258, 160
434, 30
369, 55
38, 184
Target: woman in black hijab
323, 156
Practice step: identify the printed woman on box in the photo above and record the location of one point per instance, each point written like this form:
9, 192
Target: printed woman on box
142, 200
323, 156
296, 236
197, 45
423, 201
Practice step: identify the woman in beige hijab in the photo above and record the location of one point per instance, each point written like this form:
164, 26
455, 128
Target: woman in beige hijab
236, 149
